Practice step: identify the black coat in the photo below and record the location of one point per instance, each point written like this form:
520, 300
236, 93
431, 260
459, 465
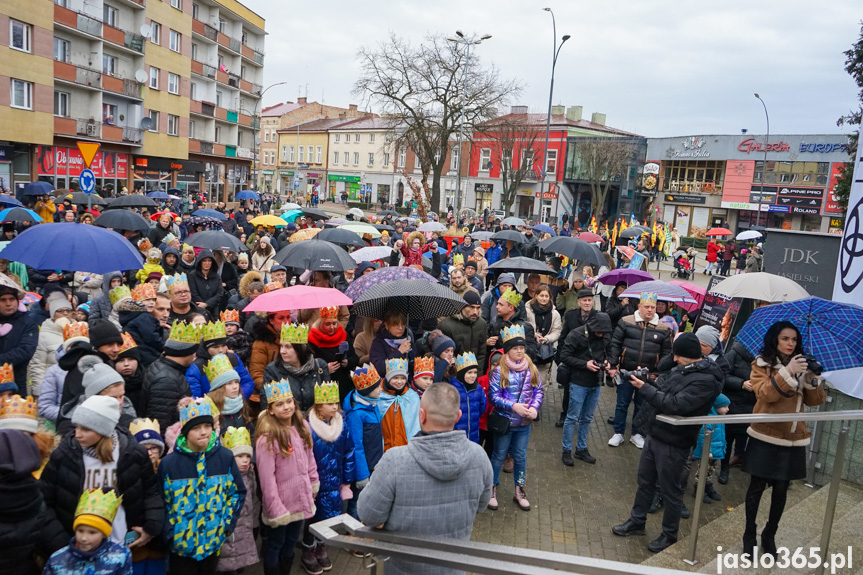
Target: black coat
144, 329
302, 387
616, 310
582, 345
164, 386
639, 344
73, 384
737, 367
468, 336
63, 482
158, 233
206, 289
18, 346
496, 326
22, 509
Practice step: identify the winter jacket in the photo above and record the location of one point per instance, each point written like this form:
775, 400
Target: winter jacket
134, 387
241, 344
51, 392
89, 283
18, 346
200, 385
712, 251
50, 338
433, 487
638, 343
497, 325
63, 480
144, 329
362, 345
381, 351
553, 334
582, 345
265, 350
616, 310
22, 509
164, 386
778, 391
288, 484
158, 233
239, 550
303, 380
364, 425
728, 252
206, 289
754, 262
202, 496
73, 385
463, 289
229, 276
334, 456
529, 248
517, 389
109, 558
171, 270
100, 307
473, 404
467, 335
737, 367
414, 257
717, 440
493, 253
400, 416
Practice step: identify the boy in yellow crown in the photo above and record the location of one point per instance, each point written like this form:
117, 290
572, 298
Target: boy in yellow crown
165, 379
215, 342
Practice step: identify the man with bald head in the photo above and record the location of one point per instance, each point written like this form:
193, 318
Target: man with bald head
434, 485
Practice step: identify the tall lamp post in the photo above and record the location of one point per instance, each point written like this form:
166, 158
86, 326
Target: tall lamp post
764, 166
555, 52
256, 161
468, 42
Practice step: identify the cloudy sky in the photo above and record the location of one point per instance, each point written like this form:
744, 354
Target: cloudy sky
659, 68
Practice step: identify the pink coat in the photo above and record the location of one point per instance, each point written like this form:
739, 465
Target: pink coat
288, 484
712, 250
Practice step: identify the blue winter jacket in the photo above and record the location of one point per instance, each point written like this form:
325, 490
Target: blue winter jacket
493, 253
473, 404
109, 558
717, 440
200, 385
335, 459
364, 425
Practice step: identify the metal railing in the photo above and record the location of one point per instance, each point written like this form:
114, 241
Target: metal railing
814, 416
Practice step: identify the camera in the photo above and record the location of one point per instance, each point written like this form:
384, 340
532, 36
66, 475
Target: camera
624, 375
812, 364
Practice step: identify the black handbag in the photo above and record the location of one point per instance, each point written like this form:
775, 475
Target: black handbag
546, 352
499, 423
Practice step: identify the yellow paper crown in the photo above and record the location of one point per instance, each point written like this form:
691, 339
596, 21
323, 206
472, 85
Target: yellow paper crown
230, 316
214, 330
423, 366
119, 293
175, 281
273, 286
236, 439
144, 424
458, 260
7, 373
511, 296
182, 333
218, 365
100, 504
78, 329
648, 298
365, 376
17, 407
278, 390
143, 291
330, 312
466, 360
154, 256
512, 332
297, 333
327, 392
128, 342
200, 407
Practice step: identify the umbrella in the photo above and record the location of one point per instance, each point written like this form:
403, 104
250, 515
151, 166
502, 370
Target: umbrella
39, 188
470, 212
305, 234
417, 299
589, 237
371, 253
158, 195
718, 232
175, 191
316, 214
385, 275
158, 215
482, 236
341, 237
298, 297
392, 213
748, 235
131, 201
268, 220
761, 286
8, 282
513, 221
70, 246
383, 227
664, 291
16, 214
361, 229
522, 265
574, 249
9, 201
314, 256
81, 199
246, 195
356, 212
695, 291
122, 220
207, 213
432, 227
291, 206
291, 215
216, 240
831, 331
510, 235
627, 275
544, 229
634, 232
335, 222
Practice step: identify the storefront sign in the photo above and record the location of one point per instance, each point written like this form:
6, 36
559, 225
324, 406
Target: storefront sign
483, 188
831, 203
811, 261
244, 153
692, 148
685, 199
315, 175
744, 206
779, 209
286, 173
837, 223
5, 153
763, 198
786, 201
166, 165
651, 168
750, 145
823, 148
268, 172
802, 192
62, 161
806, 211
339, 178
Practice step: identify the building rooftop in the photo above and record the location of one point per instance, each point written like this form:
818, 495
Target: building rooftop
374, 123
281, 109
320, 125
561, 121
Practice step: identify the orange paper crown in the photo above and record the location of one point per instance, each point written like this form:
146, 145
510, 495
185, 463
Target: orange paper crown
330, 312
423, 366
78, 329
143, 292
366, 376
230, 316
128, 343
7, 374
19, 413
273, 286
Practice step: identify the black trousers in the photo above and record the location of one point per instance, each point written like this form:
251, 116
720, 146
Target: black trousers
178, 565
661, 465
735, 439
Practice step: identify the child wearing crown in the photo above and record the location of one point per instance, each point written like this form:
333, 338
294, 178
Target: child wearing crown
288, 475
296, 364
473, 398
215, 342
364, 425
399, 406
238, 340
136, 317
225, 392
423, 374
328, 341
334, 455
240, 551
92, 551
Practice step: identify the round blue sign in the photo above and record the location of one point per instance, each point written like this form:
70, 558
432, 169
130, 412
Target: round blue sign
87, 181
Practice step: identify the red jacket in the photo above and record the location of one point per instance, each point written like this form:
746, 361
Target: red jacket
712, 250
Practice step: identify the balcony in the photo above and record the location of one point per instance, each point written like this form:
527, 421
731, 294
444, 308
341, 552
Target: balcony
245, 85
204, 30
234, 45
133, 135
65, 126
135, 3
78, 21
197, 68
208, 109
78, 75
259, 58
114, 35
134, 42
233, 80
221, 114
245, 120
112, 133
210, 71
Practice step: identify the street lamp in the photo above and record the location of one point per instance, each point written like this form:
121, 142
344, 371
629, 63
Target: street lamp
257, 160
468, 42
764, 167
555, 52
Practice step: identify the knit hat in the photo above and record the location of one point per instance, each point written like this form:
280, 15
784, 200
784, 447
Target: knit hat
721, 401
396, 366
97, 375
196, 412
470, 297
471, 264
103, 332
505, 278
687, 345
220, 371
585, 293
183, 340
709, 335
57, 303
146, 432
442, 343
99, 413
512, 336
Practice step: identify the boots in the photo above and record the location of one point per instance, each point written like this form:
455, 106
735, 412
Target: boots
749, 540
310, 562
274, 570
492, 503
323, 557
567, 458
561, 420
710, 492
768, 539
723, 471
657, 503
520, 497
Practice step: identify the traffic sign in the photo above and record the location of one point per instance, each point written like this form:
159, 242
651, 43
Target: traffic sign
88, 152
87, 181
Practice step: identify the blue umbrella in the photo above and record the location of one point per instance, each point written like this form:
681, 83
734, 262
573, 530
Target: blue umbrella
207, 213
38, 189
544, 229
289, 216
9, 201
76, 247
247, 195
831, 331
158, 195
16, 214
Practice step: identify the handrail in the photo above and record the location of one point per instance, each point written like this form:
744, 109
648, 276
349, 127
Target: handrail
846, 415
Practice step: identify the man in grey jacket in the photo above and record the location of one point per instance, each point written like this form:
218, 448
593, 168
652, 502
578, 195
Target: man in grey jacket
433, 486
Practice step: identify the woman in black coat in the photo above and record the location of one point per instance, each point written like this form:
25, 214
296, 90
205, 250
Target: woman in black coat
616, 308
298, 365
22, 510
206, 283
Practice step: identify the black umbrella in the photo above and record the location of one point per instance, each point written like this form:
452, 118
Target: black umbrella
316, 214
634, 232
392, 213
574, 249
341, 237
16, 214
122, 220
482, 236
80, 199
216, 240
511, 235
315, 256
521, 265
383, 228
418, 299
132, 201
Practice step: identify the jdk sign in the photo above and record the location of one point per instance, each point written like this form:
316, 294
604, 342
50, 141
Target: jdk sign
807, 258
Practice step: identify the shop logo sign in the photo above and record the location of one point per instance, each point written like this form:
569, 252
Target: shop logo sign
693, 143
749, 145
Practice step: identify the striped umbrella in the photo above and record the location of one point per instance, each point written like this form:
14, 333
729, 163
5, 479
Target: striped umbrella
664, 291
417, 299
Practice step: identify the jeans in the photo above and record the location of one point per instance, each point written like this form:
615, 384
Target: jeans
513, 442
709, 268
661, 464
625, 392
150, 567
280, 542
582, 404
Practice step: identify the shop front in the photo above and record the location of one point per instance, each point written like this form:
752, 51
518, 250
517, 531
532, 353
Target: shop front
484, 193
268, 179
61, 166
341, 183
14, 167
153, 174
692, 215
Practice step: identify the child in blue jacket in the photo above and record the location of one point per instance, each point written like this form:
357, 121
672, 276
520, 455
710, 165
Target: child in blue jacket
717, 448
473, 398
215, 342
364, 425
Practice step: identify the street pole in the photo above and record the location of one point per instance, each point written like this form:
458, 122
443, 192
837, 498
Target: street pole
257, 160
555, 49
764, 166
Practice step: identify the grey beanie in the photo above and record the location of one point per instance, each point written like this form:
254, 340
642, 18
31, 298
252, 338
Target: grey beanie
99, 413
97, 375
505, 278
226, 377
56, 303
708, 334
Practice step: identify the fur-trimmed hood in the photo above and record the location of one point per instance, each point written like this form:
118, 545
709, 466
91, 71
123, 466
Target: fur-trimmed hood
414, 235
249, 277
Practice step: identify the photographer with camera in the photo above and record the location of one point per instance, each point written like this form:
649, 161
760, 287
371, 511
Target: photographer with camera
784, 381
687, 390
640, 341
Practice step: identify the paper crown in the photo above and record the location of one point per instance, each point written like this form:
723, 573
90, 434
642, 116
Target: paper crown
144, 245
182, 333
169, 238
472, 259
296, 333
397, 365
119, 293
278, 390
78, 329
327, 392
99, 507
128, 342
423, 366
217, 366
238, 440
145, 425
648, 298
214, 330
175, 281
7, 373
365, 376
143, 291
512, 332
458, 260
200, 407
272, 286
330, 312
154, 256
466, 360
230, 316
511, 296
20, 413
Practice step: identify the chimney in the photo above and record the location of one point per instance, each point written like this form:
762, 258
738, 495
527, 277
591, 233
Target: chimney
598, 118
574, 113
518, 110
302, 100
352, 107
558, 110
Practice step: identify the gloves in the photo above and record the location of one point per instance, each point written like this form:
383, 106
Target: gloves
315, 488
346, 492
361, 484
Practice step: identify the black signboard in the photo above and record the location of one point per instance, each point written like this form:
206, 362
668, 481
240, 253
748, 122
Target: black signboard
718, 311
808, 258
792, 201
483, 188
805, 211
802, 192
765, 198
685, 199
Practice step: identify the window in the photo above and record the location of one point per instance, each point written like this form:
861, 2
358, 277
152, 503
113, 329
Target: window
155, 32
178, 4
193, 91
175, 41
219, 97
194, 52
20, 35
319, 152
284, 153
484, 159
266, 135
195, 11
243, 72
356, 138
338, 137
290, 154
335, 158
192, 129
417, 165
402, 157
109, 64
371, 159
154, 117
61, 3
301, 156
386, 159
109, 114
173, 83
371, 138
22, 94
218, 134
347, 158
527, 159
154, 78
62, 102
551, 163
454, 163
356, 158
61, 50
109, 15
221, 26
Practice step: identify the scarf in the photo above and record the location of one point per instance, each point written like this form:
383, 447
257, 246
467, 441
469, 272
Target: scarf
330, 430
302, 370
320, 339
233, 405
542, 317
516, 366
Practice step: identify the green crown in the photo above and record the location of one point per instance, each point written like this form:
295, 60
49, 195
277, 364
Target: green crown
236, 437
119, 293
99, 503
511, 296
294, 333
214, 330
182, 333
217, 366
327, 392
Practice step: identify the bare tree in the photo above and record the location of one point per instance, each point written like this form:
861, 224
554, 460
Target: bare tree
421, 85
514, 149
602, 161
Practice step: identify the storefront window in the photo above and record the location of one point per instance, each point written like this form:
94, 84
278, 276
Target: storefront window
794, 173
811, 223
693, 176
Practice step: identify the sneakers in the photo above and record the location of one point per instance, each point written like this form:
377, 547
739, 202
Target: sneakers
656, 504
584, 455
616, 439
492, 503
323, 557
508, 464
567, 458
310, 561
520, 497
637, 440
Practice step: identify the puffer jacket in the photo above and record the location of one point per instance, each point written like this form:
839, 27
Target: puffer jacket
239, 551
303, 380
582, 345
334, 455
517, 389
200, 385
364, 425
164, 386
144, 329
753, 262
381, 351
473, 403
100, 307
637, 343
18, 345
778, 391
109, 558
467, 335
50, 338
265, 350
51, 391
288, 484
717, 440
22, 510
712, 251
63, 480
736, 364
206, 289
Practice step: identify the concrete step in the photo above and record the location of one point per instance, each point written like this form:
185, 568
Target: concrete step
846, 539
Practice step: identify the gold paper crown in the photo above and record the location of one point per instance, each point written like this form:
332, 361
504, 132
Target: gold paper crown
397, 365
217, 366
648, 298
294, 333
119, 293
237, 437
327, 392
423, 366
330, 312
154, 256
273, 286
168, 238
17, 407
512, 332
365, 376
458, 260
7, 373
76, 329
103, 505
200, 407
175, 281
278, 390
182, 333
466, 360
144, 424
214, 330
144, 245
511, 296
143, 291
230, 316
128, 342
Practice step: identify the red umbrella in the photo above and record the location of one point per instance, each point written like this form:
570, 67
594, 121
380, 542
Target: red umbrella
589, 237
298, 297
158, 215
694, 291
718, 232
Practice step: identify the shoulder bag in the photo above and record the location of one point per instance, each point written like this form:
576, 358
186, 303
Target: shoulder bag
498, 423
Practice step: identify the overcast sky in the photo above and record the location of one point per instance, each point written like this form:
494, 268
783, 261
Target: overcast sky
659, 68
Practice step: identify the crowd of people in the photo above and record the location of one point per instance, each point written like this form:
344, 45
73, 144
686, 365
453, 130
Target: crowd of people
149, 423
